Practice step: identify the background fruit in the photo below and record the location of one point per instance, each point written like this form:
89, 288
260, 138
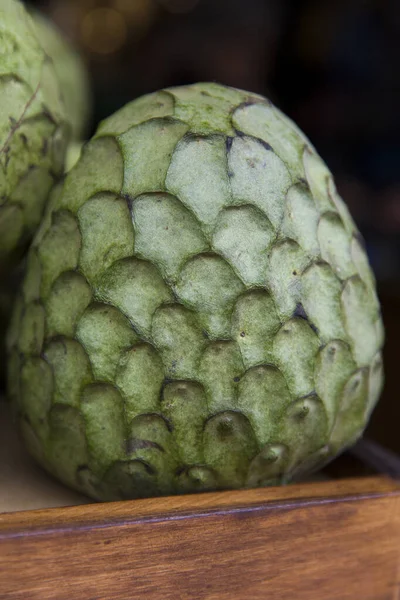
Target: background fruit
71, 73
73, 154
33, 130
37, 135
198, 310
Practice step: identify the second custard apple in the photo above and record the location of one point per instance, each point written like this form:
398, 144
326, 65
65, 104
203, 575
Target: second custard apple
198, 311
34, 131
70, 71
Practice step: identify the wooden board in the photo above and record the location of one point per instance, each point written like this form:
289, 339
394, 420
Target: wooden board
323, 541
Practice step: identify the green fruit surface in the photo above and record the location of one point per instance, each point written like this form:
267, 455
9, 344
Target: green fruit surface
33, 130
198, 311
71, 73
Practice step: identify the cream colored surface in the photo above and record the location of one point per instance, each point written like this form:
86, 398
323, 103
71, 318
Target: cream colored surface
23, 485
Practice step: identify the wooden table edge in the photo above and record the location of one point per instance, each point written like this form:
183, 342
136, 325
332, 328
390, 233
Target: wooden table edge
113, 514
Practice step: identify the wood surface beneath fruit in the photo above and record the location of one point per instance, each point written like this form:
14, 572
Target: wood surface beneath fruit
330, 540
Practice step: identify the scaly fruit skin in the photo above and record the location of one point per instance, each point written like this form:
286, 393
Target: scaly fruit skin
198, 311
33, 130
71, 73
9, 286
73, 153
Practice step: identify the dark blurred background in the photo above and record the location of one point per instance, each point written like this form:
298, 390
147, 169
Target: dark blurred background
331, 65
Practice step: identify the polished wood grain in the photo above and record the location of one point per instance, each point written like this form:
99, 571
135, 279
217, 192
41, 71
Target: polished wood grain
329, 540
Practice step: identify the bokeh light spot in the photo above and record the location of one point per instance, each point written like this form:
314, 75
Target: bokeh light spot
104, 30
179, 6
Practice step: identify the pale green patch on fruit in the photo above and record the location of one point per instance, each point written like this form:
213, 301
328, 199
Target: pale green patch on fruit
229, 445
335, 245
31, 330
304, 429
267, 467
151, 442
59, 249
184, 404
99, 169
197, 478
295, 347
36, 395
146, 163
69, 297
254, 326
258, 177
318, 177
107, 234
103, 411
213, 113
220, 370
341, 207
71, 370
66, 449
30, 147
105, 334
30, 286
14, 95
352, 410
136, 288
320, 297
287, 262
150, 106
301, 219
166, 232
13, 331
264, 121
360, 260
198, 176
11, 226
333, 367
359, 319
264, 397
129, 477
208, 285
177, 334
376, 381
31, 193
235, 227
53, 206
139, 377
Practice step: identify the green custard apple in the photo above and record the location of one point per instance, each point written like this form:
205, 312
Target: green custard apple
9, 285
198, 311
71, 73
73, 153
34, 130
